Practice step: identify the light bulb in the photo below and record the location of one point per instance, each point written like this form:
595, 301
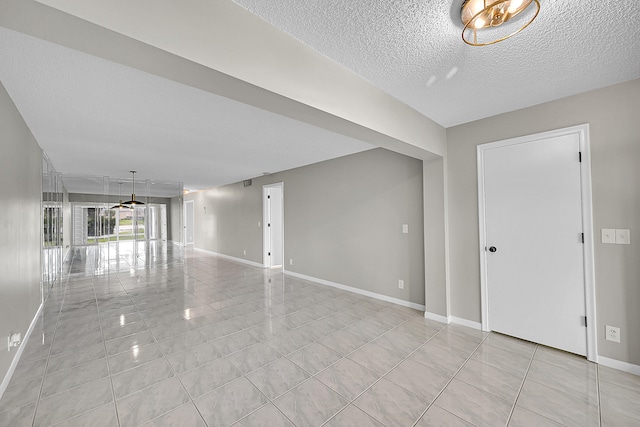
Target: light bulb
514, 5
479, 23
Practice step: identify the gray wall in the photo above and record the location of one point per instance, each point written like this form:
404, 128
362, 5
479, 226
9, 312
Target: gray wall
20, 225
343, 221
613, 114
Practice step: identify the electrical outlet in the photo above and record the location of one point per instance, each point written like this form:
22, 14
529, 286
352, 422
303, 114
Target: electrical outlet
13, 340
405, 228
400, 284
612, 333
244, 252
290, 261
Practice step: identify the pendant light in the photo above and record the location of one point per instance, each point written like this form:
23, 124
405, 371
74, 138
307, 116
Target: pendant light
133, 202
481, 19
119, 206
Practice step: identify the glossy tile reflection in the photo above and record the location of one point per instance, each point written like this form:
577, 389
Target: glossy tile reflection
155, 336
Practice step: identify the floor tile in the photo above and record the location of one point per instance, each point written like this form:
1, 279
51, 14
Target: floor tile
21, 416
193, 357
102, 416
436, 416
377, 359
208, 377
277, 377
151, 402
129, 342
267, 416
503, 359
185, 415
391, 404
254, 357
314, 357
620, 406
623, 379
421, 380
136, 356
20, 393
230, 403
578, 383
438, 357
352, 416
474, 405
503, 384
343, 342
310, 404
557, 406
140, 377
288, 336
347, 378
76, 401
69, 378
524, 418
181, 342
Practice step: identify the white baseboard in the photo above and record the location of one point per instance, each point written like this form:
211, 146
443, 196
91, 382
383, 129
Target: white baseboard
465, 322
359, 291
437, 317
619, 365
231, 258
16, 358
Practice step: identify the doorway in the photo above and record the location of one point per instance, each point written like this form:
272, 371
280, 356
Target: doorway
273, 221
188, 223
536, 240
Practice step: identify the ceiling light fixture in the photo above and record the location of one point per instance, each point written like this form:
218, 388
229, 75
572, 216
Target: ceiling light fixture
133, 202
119, 206
481, 17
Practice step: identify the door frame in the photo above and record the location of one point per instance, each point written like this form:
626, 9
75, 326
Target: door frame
193, 224
266, 261
587, 225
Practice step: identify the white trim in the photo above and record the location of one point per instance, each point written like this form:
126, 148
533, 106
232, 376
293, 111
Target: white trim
16, 358
465, 322
231, 258
437, 317
587, 225
619, 365
193, 222
266, 218
359, 291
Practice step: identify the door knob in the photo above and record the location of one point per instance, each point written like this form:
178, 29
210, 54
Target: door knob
493, 249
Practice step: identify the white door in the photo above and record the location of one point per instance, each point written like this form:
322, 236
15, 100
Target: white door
534, 262
273, 225
163, 223
188, 222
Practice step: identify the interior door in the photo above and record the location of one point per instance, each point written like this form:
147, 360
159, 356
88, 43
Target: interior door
533, 223
188, 222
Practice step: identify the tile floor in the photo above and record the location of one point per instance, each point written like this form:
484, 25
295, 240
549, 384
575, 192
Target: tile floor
147, 336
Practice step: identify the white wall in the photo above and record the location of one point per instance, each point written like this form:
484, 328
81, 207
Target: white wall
613, 115
343, 222
20, 226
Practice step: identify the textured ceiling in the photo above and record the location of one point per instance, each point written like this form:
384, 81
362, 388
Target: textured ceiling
96, 117
412, 49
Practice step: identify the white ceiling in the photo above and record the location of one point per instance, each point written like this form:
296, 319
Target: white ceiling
96, 117
412, 49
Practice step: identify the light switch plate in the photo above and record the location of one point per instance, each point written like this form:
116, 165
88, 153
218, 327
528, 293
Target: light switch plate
608, 235
405, 228
623, 237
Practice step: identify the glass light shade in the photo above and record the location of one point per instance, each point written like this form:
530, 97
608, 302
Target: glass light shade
481, 17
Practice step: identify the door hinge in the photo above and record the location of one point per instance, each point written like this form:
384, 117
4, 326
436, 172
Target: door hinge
582, 237
585, 321
580, 156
